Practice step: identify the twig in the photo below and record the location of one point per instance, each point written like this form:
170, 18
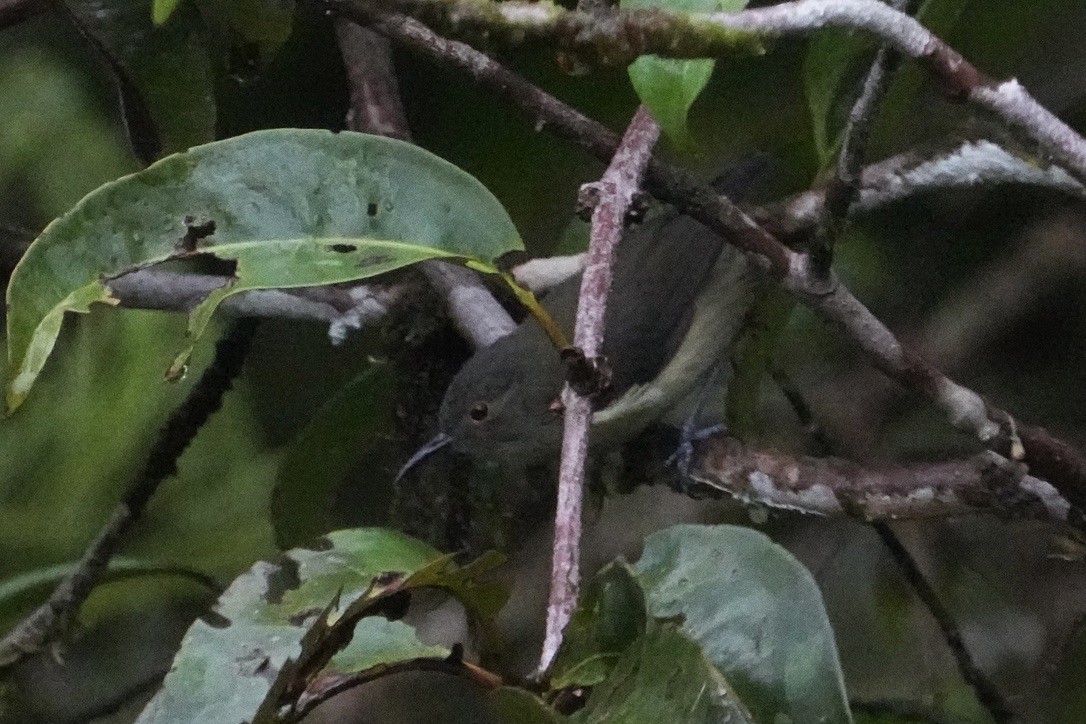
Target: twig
376, 108
205, 398
610, 199
1047, 456
832, 486
973, 164
618, 36
988, 695
328, 685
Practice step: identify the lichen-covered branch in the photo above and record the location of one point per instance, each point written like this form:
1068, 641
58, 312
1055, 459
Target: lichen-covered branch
972, 164
829, 486
618, 36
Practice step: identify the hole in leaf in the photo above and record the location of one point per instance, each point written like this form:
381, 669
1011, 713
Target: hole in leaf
371, 210
344, 248
194, 233
284, 578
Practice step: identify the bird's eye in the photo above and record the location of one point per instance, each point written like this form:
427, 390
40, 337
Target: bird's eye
479, 411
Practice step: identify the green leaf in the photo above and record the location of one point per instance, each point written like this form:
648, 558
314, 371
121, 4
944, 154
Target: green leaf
163, 72
835, 56
663, 677
669, 87
757, 614
610, 615
280, 627
318, 460
291, 207
161, 10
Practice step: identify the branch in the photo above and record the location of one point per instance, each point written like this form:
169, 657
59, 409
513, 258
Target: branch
328, 685
616, 37
376, 108
834, 487
610, 199
973, 164
1048, 457
49, 619
988, 695
844, 187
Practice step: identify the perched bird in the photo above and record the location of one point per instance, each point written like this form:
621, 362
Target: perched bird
679, 297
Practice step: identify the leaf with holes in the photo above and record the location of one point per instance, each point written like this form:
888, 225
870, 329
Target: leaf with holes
285, 208
286, 629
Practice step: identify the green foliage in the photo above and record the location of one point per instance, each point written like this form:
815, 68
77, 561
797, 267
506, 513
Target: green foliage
712, 624
751, 634
267, 24
16, 590
291, 207
757, 614
279, 626
663, 676
669, 87
161, 10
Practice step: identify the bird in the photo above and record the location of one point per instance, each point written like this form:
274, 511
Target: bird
679, 297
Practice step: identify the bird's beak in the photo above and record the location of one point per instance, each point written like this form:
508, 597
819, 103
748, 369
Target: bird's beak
436, 443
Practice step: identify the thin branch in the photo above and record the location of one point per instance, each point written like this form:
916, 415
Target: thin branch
330, 684
205, 398
618, 36
1047, 456
376, 108
861, 118
973, 164
988, 695
610, 198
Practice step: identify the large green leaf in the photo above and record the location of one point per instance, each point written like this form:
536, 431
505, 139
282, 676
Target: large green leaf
280, 627
664, 677
669, 87
757, 615
163, 72
291, 207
